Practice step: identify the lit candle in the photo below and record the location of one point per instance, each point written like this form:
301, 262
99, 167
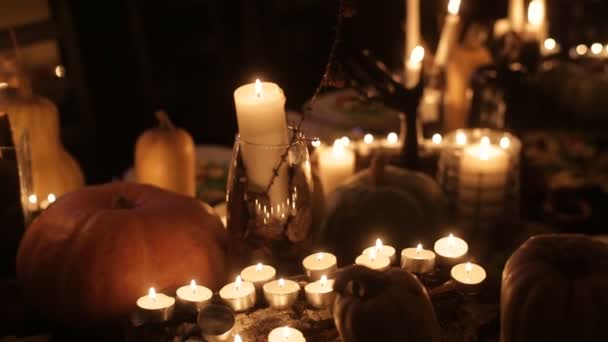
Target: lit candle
412, 30
45, 203
194, 296
336, 164
260, 109
449, 34
32, 202
281, 294
413, 66
258, 274
365, 148
373, 260
237, 338
596, 50
549, 47
319, 264
417, 260
239, 295
451, 249
468, 274
428, 109
320, 294
155, 307
461, 138
382, 249
286, 334
536, 28
516, 15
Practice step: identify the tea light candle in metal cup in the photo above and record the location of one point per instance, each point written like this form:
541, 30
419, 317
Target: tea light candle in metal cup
417, 260
451, 250
217, 323
374, 261
281, 294
193, 296
320, 294
155, 307
239, 295
319, 264
286, 334
258, 274
468, 275
382, 249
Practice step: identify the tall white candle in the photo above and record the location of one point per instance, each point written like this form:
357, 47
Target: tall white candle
516, 15
449, 34
412, 31
260, 109
336, 164
413, 67
537, 28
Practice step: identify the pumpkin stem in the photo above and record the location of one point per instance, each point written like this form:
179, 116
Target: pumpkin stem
122, 202
377, 168
164, 121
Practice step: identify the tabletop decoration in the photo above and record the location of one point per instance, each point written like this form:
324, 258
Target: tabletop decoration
155, 307
282, 293
193, 297
320, 294
319, 264
239, 295
417, 260
382, 249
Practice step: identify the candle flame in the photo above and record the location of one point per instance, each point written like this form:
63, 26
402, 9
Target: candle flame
193, 285
368, 139
468, 267
550, 44
437, 138
417, 55
258, 88
597, 48
323, 280
286, 332
372, 254
258, 267
238, 282
316, 142
392, 138
485, 141
33, 199
152, 294
320, 256
418, 249
51, 198
379, 245
237, 338
345, 141
505, 142
338, 147
461, 138
281, 282
454, 6
451, 240
581, 49
536, 12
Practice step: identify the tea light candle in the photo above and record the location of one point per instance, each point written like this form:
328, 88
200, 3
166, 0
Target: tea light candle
318, 264
381, 249
373, 260
366, 146
451, 249
281, 294
286, 334
320, 294
155, 307
194, 296
468, 274
417, 260
336, 164
258, 274
239, 295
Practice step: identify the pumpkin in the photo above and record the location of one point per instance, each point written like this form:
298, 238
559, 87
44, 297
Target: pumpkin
54, 170
89, 256
383, 306
555, 288
165, 157
400, 206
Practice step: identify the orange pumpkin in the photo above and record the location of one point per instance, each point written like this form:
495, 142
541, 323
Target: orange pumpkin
165, 157
89, 256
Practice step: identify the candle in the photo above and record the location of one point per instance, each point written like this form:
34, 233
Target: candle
596, 49
258, 274
549, 47
428, 108
449, 34
417, 260
373, 260
412, 30
239, 295
194, 296
501, 27
536, 28
461, 138
392, 143
237, 338
281, 294
50, 199
516, 15
320, 294
319, 264
468, 274
366, 147
451, 249
413, 66
155, 307
217, 323
336, 164
286, 334
381, 249
32, 202
260, 109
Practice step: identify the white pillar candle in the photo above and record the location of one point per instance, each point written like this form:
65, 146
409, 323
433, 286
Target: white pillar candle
194, 296
320, 294
516, 15
239, 295
336, 164
468, 273
449, 34
281, 294
260, 109
428, 109
412, 26
417, 260
413, 67
258, 274
382, 249
536, 28
373, 260
451, 249
286, 334
319, 264
155, 307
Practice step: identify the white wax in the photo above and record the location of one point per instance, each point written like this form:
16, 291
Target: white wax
536, 26
194, 294
258, 274
231, 291
336, 164
288, 287
320, 286
483, 170
412, 30
417, 260
157, 301
451, 247
381, 249
516, 15
449, 35
468, 273
286, 334
320, 262
377, 262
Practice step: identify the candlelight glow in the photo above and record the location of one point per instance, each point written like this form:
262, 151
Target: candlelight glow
323, 280
451, 240
485, 141
316, 142
258, 88
152, 293
281, 282
581, 49
59, 71
505, 142
33, 199
193, 285
320, 256
338, 148
286, 332
550, 44
454, 6
417, 55
368, 139
237, 338
437, 138
372, 254
3, 85
596, 48
258, 267
468, 267
536, 13
238, 282
461, 138
379, 244
392, 138
345, 141
51, 198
